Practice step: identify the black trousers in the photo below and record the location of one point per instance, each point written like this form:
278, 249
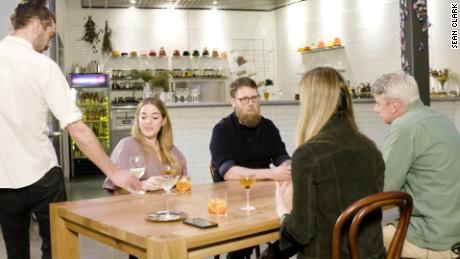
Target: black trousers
16, 206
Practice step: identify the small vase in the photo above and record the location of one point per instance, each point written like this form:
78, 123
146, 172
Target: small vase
156, 91
152, 91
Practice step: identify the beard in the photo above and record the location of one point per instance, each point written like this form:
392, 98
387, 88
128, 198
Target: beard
250, 120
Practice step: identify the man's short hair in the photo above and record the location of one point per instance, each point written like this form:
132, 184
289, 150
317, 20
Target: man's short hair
241, 82
27, 10
398, 85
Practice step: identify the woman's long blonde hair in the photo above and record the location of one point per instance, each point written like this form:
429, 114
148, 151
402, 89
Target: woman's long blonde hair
323, 92
164, 137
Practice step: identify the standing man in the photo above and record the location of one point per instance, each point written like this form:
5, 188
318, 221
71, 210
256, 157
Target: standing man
244, 142
30, 85
421, 154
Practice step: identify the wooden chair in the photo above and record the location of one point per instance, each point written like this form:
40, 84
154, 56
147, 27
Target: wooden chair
212, 170
359, 209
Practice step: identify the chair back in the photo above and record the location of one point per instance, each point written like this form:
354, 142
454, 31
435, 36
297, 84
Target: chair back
212, 169
359, 209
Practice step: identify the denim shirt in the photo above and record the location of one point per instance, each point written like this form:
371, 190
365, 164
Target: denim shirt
329, 172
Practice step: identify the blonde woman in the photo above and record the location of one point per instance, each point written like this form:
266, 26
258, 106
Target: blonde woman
152, 138
333, 166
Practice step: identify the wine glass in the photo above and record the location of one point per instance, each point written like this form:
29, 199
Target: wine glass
137, 167
247, 181
169, 179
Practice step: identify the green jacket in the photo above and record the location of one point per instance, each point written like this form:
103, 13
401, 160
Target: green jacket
422, 158
329, 172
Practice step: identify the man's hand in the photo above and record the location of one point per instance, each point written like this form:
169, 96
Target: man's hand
126, 181
281, 172
283, 196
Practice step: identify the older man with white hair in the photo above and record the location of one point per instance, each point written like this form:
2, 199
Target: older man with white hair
421, 154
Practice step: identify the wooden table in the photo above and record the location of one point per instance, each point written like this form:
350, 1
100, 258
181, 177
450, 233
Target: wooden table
119, 221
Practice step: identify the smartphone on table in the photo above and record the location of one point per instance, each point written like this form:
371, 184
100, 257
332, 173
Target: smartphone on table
200, 223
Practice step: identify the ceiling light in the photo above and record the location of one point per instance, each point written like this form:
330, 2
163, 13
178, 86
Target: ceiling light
132, 1
214, 2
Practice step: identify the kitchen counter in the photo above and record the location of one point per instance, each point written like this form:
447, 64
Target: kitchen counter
280, 102
192, 127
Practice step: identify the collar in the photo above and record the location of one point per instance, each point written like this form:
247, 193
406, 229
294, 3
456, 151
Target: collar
415, 105
18, 40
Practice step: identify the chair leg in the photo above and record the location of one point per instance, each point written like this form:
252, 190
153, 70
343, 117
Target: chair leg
257, 251
216, 256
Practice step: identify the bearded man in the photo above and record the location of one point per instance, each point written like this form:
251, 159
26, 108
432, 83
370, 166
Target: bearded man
245, 143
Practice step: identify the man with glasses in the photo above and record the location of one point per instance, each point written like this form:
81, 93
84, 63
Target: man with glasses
245, 143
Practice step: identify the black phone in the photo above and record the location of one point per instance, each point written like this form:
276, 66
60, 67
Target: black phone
200, 223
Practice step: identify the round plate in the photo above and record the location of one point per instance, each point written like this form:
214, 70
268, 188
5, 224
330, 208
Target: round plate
164, 216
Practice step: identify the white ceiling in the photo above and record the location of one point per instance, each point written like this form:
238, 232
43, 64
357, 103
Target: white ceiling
237, 5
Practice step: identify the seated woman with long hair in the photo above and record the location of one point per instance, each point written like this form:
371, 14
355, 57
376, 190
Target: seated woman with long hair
333, 166
152, 138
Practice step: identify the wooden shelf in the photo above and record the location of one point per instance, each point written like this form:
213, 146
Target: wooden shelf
322, 50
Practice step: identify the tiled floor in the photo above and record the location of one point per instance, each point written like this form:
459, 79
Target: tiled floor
79, 188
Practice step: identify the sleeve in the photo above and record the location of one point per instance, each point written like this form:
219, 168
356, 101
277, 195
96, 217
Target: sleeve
181, 158
398, 153
119, 156
298, 227
59, 98
279, 148
221, 149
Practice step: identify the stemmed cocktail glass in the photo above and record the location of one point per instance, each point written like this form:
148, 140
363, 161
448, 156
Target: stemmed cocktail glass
169, 179
247, 181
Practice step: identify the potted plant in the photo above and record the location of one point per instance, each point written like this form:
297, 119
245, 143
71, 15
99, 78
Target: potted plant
155, 84
161, 80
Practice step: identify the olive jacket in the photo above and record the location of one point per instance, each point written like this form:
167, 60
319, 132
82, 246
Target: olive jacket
329, 172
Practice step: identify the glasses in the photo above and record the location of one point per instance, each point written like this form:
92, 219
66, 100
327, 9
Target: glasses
245, 100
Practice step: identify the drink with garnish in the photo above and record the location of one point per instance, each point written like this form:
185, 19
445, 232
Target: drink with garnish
247, 181
168, 180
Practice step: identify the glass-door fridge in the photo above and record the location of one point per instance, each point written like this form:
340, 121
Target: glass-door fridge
91, 96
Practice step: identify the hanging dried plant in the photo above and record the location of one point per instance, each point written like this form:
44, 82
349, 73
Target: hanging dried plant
107, 40
91, 33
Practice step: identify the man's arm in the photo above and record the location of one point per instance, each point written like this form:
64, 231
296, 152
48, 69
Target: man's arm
279, 173
222, 157
90, 146
398, 153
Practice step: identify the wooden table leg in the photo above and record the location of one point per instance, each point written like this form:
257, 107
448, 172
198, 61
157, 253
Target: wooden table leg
64, 242
166, 247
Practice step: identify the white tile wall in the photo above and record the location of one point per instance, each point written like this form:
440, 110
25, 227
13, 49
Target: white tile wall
368, 29
193, 128
6, 8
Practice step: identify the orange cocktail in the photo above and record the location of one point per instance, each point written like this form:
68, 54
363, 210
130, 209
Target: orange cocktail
184, 184
217, 206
